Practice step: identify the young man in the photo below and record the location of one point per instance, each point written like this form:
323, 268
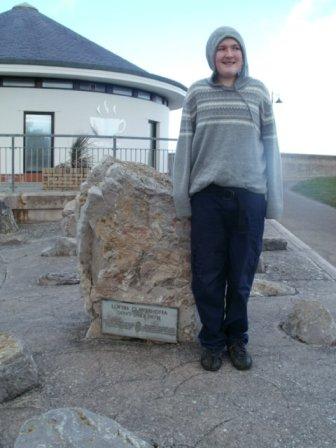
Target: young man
227, 178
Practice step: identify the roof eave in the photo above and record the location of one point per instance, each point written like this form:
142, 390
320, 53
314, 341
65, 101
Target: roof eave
172, 90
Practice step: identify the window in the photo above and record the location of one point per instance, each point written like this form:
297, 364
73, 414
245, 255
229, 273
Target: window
144, 95
86, 86
77, 84
122, 91
92, 86
58, 84
157, 99
99, 88
18, 82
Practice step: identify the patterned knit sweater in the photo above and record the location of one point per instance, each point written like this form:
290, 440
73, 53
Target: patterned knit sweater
228, 137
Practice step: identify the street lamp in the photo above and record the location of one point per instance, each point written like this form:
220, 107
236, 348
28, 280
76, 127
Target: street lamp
276, 98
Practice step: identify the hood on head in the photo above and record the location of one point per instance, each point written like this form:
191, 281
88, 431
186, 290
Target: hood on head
215, 38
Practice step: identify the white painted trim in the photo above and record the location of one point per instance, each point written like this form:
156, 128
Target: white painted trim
174, 94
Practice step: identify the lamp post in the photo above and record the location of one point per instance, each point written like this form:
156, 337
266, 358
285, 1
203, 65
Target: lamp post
276, 98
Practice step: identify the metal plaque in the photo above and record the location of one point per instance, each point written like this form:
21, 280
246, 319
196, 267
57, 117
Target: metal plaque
139, 321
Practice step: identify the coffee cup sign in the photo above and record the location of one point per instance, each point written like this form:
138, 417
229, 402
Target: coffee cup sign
107, 125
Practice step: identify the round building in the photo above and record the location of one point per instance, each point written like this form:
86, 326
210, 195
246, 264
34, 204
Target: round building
54, 81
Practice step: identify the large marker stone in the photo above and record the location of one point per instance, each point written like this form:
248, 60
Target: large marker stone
18, 372
132, 248
75, 428
310, 322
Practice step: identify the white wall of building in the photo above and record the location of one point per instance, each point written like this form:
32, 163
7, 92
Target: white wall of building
73, 111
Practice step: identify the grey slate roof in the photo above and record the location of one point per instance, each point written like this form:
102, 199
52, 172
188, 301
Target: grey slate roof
29, 37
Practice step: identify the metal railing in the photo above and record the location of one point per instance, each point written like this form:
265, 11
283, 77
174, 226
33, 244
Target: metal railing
26, 159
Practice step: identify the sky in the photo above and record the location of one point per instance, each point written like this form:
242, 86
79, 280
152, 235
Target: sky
290, 47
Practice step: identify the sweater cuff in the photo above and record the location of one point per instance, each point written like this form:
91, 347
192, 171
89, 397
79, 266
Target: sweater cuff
273, 213
183, 211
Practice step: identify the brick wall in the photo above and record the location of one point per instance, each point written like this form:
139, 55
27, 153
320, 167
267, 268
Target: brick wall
63, 178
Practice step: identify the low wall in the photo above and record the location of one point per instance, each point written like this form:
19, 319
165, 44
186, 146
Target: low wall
48, 206
295, 166
38, 206
306, 166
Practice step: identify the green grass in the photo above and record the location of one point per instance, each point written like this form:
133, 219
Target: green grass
322, 189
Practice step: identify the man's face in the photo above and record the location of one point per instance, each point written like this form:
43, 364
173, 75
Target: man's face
228, 59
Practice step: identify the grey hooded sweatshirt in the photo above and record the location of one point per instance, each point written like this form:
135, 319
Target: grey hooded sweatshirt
227, 137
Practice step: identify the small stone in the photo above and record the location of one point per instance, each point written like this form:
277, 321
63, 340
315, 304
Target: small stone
11, 239
3, 271
274, 244
69, 223
76, 428
7, 221
310, 322
62, 247
18, 371
261, 269
267, 288
59, 278
69, 208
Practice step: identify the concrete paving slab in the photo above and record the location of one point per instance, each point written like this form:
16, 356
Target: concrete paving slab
159, 391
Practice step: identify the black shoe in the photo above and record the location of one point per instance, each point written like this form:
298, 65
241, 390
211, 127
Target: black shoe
239, 356
211, 360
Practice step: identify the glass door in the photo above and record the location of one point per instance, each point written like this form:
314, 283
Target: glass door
153, 125
38, 147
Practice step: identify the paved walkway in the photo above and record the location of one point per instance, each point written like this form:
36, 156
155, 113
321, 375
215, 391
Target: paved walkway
312, 222
159, 391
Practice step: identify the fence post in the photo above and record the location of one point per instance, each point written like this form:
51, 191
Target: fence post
114, 147
13, 168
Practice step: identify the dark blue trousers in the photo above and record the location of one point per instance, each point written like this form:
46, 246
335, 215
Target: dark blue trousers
227, 226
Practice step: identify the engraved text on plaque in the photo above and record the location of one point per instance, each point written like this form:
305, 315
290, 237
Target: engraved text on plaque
139, 321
